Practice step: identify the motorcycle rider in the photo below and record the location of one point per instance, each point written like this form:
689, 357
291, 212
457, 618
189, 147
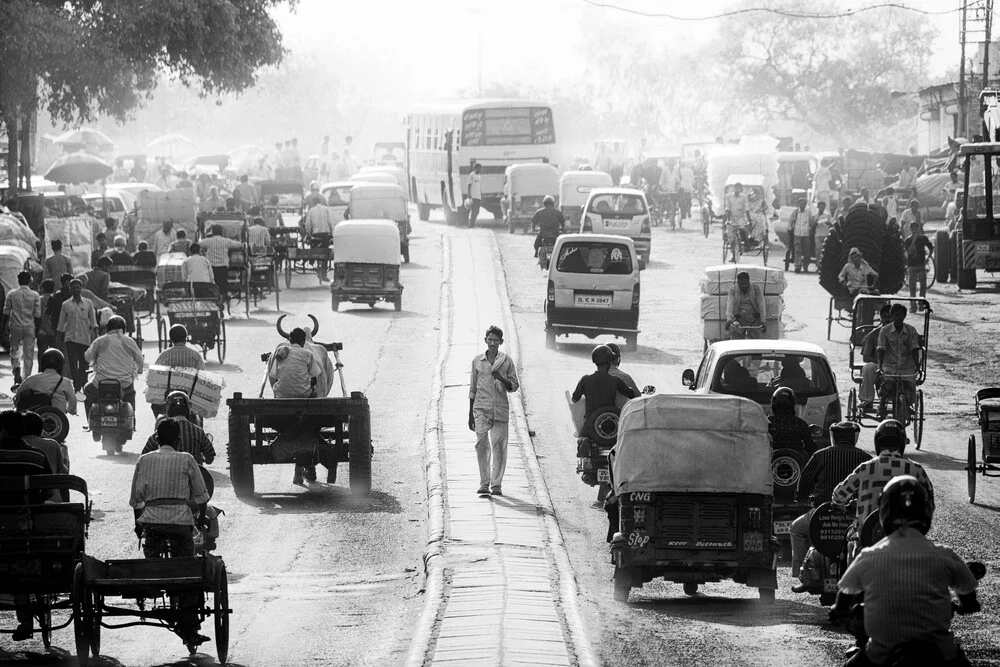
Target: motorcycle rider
113, 356
549, 221
822, 473
787, 430
600, 388
868, 479
906, 580
192, 438
618, 372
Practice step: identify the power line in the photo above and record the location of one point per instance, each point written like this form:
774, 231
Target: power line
781, 12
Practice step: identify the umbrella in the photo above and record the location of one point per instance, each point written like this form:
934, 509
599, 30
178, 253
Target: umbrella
85, 136
79, 167
170, 145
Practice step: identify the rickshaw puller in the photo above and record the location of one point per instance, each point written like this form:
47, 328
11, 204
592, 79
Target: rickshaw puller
550, 222
192, 438
869, 353
825, 469
745, 306
165, 485
907, 581
899, 350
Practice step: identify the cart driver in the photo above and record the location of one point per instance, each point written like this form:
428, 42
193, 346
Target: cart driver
113, 356
898, 354
166, 485
192, 438
549, 220
745, 306
178, 355
294, 373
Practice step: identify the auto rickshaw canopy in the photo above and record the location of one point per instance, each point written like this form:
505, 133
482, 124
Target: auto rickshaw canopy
531, 179
575, 186
380, 201
692, 444
366, 242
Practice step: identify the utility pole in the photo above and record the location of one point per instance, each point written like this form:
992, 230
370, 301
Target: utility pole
988, 20
963, 112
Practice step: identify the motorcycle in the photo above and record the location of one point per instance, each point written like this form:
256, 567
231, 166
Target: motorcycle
111, 418
545, 252
833, 548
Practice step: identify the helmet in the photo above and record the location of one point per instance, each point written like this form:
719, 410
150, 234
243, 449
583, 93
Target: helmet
52, 358
905, 502
602, 354
549, 200
616, 350
845, 433
890, 434
783, 400
178, 404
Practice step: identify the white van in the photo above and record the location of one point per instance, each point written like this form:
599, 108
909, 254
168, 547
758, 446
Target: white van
619, 211
593, 288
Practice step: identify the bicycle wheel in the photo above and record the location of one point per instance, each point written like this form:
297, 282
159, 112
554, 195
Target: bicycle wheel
706, 221
929, 267
725, 244
737, 247
765, 251
918, 418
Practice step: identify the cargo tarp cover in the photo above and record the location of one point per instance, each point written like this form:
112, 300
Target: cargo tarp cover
157, 207
692, 444
76, 234
13, 232
12, 261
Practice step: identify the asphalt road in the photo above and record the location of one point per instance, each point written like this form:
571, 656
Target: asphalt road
315, 576
724, 624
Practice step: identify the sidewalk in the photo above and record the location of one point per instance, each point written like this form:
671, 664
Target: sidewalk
503, 599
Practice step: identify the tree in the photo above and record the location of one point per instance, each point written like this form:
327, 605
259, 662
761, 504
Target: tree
80, 58
834, 75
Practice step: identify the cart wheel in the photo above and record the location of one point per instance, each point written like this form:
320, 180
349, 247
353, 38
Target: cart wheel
288, 274
931, 269
221, 599
972, 469
161, 335
277, 290
240, 462
690, 588
43, 604
138, 330
335, 303
360, 458
623, 584
204, 352
852, 406
220, 342
96, 602
829, 314
766, 595
725, 245
81, 616
246, 292
918, 418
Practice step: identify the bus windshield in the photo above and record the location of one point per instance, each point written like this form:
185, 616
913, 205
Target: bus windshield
508, 127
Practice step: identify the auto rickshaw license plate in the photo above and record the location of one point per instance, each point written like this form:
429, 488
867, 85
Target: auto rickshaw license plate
603, 476
594, 299
782, 527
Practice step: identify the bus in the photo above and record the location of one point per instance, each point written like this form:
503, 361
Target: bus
443, 141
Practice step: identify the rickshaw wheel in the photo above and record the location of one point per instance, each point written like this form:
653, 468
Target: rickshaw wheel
160, 335
220, 342
204, 352
288, 273
81, 616
221, 600
972, 468
277, 289
725, 245
690, 588
766, 595
852, 405
623, 585
138, 330
95, 623
246, 292
44, 616
918, 418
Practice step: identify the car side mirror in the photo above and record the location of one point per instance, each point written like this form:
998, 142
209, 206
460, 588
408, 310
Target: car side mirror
648, 389
816, 431
687, 378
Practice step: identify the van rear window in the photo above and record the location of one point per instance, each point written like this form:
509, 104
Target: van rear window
612, 259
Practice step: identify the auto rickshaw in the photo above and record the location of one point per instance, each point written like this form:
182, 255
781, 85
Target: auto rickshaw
366, 263
524, 188
382, 202
574, 188
393, 171
692, 477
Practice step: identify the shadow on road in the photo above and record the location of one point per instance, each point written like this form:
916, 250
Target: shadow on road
325, 499
125, 458
248, 322
414, 265
516, 504
381, 312
936, 461
747, 612
644, 355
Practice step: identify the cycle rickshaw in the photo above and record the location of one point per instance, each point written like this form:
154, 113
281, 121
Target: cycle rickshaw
41, 542
985, 462
140, 277
756, 239
198, 306
897, 407
125, 299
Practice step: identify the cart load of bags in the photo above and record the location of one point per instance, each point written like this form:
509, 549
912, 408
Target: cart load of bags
715, 292
203, 388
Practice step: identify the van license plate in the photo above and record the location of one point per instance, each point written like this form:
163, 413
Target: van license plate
603, 476
591, 300
109, 421
782, 527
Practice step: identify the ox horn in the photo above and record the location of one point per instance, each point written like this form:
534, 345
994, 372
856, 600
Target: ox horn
315, 324
277, 325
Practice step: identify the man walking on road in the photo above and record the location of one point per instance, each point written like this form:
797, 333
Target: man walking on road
493, 377
57, 263
22, 312
77, 329
475, 192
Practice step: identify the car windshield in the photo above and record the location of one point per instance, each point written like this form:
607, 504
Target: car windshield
756, 376
594, 257
622, 204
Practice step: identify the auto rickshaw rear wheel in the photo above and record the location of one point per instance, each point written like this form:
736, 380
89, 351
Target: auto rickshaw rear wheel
623, 585
690, 588
766, 595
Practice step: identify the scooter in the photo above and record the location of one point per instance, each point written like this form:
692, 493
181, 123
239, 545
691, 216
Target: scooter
111, 418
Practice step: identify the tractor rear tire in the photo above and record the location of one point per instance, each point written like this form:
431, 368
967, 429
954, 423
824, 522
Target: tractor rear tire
240, 461
943, 256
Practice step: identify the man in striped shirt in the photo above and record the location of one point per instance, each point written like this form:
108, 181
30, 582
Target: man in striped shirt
166, 484
192, 439
868, 479
216, 248
178, 355
825, 469
258, 237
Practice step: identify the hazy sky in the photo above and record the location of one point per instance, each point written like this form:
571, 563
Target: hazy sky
425, 49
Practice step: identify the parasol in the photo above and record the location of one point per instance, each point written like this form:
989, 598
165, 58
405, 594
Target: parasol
79, 167
87, 137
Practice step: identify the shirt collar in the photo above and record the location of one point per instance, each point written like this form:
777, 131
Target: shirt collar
166, 448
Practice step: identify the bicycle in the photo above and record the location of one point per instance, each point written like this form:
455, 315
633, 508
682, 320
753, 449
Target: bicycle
738, 331
902, 410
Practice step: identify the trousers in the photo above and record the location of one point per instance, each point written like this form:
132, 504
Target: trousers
491, 450
799, 534
22, 351
78, 366
867, 391
179, 542
915, 274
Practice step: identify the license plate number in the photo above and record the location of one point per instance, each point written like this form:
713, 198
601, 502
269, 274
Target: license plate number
109, 421
594, 300
617, 224
988, 247
603, 476
782, 527
830, 584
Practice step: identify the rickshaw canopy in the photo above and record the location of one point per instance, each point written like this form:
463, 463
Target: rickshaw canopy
378, 201
531, 179
280, 188
746, 180
692, 444
575, 186
366, 242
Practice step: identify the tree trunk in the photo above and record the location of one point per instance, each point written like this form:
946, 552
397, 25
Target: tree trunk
12, 171
26, 155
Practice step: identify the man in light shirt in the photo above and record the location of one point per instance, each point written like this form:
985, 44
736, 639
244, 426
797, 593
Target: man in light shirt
258, 236
475, 192
216, 249
196, 268
114, 356
22, 311
161, 239
76, 329
245, 193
